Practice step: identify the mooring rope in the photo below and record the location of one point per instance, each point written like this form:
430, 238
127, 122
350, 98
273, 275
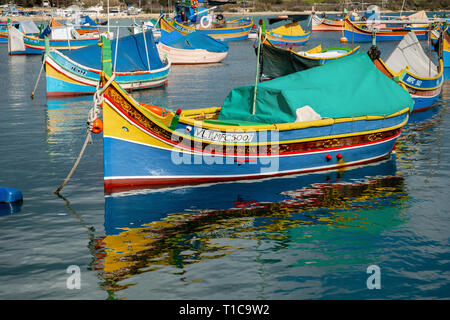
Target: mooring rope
93, 114
39, 76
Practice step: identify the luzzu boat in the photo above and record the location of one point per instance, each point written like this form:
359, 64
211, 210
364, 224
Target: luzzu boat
288, 34
60, 38
193, 48
194, 16
411, 67
278, 62
323, 24
77, 72
356, 33
25, 26
285, 131
234, 30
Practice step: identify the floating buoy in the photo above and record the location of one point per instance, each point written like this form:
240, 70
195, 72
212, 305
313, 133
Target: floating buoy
339, 156
97, 126
10, 195
343, 39
155, 109
328, 157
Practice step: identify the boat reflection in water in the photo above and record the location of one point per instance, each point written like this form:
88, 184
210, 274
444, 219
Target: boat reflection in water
66, 120
177, 227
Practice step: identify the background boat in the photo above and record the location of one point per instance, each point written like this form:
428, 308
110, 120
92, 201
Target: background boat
136, 63
412, 68
356, 33
276, 62
193, 48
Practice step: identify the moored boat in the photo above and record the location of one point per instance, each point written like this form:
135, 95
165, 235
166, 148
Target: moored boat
60, 38
193, 48
283, 131
412, 68
356, 33
291, 34
278, 61
137, 66
324, 24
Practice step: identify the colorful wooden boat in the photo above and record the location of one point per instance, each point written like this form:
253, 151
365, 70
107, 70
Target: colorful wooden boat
279, 134
25, 26
323, 24
193, 48
412, 68
278, 62
233, 30
446, 48
291, 34
62, 38
356, 33
77, 72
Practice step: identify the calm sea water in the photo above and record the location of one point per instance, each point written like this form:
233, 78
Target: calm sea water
302, 237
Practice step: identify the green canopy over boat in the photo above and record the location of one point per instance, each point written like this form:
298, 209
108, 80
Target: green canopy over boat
348, 87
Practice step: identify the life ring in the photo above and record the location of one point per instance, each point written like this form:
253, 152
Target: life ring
194, 3
208, 22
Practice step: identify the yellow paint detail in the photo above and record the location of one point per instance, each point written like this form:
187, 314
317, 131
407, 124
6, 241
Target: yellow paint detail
118, 127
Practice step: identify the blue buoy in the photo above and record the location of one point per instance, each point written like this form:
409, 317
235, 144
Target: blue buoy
10, 195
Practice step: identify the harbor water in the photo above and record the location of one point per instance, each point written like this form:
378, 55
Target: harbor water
379, 231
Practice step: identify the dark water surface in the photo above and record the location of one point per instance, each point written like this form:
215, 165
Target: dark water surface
303, 237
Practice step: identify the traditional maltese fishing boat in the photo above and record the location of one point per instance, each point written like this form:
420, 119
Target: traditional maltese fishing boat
288, 34
276, 61
264, 130
194, 16
324, 24
411, 67
193, 48
61, 37
357, 33
135, 58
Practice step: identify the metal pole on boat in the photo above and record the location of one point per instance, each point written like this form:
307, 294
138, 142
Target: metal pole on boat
107, 15
146, 49
117, 45
257, 70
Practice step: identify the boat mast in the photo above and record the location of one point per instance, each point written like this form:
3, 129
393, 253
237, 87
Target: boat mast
261, 30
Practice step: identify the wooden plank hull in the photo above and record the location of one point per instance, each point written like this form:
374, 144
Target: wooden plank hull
143, 150
355, 33
185, 56
234, 33
424, 91
65, 77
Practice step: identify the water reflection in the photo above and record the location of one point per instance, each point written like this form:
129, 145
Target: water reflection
10, 208
147, 232
66, 122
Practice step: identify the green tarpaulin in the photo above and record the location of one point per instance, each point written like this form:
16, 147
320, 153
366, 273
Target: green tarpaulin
348, 87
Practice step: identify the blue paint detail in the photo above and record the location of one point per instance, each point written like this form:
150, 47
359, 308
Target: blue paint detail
121, 157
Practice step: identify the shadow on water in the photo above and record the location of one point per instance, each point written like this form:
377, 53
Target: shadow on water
147, 232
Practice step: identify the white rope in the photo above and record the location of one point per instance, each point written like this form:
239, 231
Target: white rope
93, 114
